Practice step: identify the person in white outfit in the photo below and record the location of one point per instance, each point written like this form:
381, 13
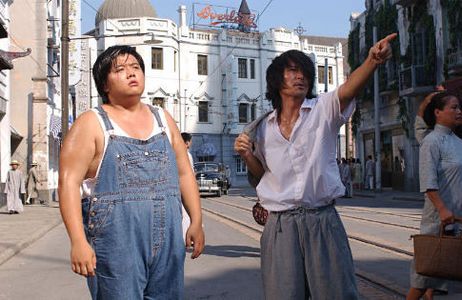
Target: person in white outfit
187, 138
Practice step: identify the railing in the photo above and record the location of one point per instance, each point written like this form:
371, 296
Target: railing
455, 59
414, 76
403, 2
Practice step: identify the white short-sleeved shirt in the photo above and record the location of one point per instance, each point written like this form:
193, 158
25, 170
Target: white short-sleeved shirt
302, 170
88, 184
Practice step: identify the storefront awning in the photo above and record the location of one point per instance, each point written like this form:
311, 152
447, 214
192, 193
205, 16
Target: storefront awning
206, 149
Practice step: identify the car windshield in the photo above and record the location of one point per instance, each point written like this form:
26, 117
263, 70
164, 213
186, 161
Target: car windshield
206, 167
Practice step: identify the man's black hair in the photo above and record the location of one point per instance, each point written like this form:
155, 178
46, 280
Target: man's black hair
275, 75
186, 136
104, 63
438, 101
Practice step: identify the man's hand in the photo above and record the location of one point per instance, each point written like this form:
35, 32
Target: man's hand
83, 259
243, 145
381, 52
446, 216
195, 238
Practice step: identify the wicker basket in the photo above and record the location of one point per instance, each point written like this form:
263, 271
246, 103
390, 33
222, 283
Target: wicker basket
438, 256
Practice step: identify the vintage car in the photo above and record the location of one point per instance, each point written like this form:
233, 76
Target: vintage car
212, 177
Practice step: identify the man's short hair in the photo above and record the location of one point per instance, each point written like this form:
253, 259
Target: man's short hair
186, 136
275, 74
104, 63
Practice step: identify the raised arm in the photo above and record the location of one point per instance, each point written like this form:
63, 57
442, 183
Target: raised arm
77, 153
189, 191
378, 54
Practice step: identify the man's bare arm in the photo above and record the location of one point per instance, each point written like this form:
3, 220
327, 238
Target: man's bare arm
378, 54
77, 154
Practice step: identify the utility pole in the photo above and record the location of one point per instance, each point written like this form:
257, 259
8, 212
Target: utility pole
378, 166
299, 30
64, 67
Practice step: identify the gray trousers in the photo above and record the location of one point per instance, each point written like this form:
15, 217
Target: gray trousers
305, 255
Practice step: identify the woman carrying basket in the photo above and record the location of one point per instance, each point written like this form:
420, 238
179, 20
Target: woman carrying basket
440, 170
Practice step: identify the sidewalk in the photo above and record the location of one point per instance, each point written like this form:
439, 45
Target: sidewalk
18, 231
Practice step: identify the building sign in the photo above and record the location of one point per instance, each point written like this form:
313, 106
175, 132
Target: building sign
74, 45
219, 16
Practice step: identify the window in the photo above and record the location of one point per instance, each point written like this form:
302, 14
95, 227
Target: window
159, 102
252, 69
243, 113
202, 64
420, 48
157, 58
241, 167
203, 111
322, 74
253, 112
242, 67
330, 75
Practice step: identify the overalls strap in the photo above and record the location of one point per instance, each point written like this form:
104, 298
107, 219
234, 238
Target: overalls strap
107, 123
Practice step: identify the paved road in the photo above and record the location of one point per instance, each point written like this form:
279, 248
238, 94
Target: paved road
228, 269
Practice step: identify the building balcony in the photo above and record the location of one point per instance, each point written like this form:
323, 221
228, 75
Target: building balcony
388, 79
415, 80
455, 64
403, 3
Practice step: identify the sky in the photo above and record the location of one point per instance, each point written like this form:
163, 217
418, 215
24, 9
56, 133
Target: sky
317, 17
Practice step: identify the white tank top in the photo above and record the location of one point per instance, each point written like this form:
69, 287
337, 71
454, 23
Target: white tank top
88, 185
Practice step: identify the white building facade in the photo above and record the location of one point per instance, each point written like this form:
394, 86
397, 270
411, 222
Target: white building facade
212, 81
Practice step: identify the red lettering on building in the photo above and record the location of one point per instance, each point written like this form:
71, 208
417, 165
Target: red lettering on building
232, 17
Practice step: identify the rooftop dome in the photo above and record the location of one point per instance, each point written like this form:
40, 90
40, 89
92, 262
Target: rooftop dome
118, 9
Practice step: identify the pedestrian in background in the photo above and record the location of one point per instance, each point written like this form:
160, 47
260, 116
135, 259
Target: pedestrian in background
131, 163
345, 176
369, 173
187, 138
304, 247
186, 221
32, 182
14, 189
357, 174
440, 172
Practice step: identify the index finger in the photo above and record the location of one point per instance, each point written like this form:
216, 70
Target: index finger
389, 38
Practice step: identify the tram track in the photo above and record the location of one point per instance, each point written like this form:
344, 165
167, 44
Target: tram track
244, 208
380, 287
360, 209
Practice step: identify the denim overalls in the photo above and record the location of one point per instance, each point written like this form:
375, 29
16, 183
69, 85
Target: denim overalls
133, 219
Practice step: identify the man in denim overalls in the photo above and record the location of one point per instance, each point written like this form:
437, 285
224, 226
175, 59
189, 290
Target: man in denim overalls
132, 165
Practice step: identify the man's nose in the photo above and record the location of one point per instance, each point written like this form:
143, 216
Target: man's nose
130, 73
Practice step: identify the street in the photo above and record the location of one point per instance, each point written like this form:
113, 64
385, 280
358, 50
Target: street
378, 230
